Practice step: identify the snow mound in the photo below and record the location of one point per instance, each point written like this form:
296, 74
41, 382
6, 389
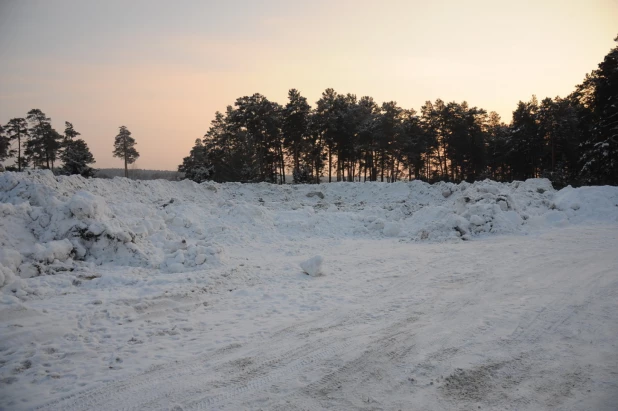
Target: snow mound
312, 266
51, 225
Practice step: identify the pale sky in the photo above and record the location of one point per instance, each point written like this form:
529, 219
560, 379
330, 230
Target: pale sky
162, 68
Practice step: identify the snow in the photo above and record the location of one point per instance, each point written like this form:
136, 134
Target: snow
158, 294
313, 266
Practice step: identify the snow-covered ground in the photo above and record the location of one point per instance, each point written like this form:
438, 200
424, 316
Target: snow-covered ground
120, 294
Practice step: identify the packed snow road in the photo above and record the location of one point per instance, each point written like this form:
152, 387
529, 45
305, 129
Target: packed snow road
519, 322
119, 294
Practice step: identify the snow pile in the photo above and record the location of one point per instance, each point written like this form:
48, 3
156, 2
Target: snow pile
54, 224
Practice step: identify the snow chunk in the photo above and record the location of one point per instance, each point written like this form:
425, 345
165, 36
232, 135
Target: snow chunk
28, 270
53, 250
87, 205
391, 229
11, 259
313, 266
200, 259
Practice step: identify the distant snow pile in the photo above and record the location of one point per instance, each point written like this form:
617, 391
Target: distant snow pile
54, 224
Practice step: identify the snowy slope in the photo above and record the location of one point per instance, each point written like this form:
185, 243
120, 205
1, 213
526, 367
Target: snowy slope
121, 294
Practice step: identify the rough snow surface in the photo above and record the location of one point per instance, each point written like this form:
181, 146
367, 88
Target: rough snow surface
119, 294
59, 224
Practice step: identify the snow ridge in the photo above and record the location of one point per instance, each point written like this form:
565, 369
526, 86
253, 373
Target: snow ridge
55, 224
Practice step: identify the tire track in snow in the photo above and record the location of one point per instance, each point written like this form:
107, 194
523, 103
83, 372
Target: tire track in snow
87, 399
185, 379
393, 345
549, 318
164, 381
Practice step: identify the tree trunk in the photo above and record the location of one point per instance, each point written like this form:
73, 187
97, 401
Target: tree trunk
366, 166
330, 162
124, 145
296, 161
338, 166
18, 152
282, 163
440, 161
553, 154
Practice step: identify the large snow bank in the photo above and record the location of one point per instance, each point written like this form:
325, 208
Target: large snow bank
50, 224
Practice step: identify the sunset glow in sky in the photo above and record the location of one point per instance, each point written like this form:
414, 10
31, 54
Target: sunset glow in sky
164, 68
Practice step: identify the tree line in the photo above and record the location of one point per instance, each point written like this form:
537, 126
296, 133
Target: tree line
35, 143
571, 140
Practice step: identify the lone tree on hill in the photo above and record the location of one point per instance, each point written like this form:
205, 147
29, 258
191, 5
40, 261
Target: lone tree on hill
124, 147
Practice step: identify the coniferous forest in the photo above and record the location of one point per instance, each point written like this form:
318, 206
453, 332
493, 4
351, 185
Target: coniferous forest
570, 140
34, 143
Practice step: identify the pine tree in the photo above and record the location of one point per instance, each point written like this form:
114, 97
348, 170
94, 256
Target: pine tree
497, 148
52, 144
226, 153
347, 143
124, 147
433, 122
325, 123
5, 145
600, 157
389, 131
44, 143
69, 131
35, 146
368, 114
17, 129
526, 142
196, 166
295, 128
76, 157
257, 121
415, 143
562, 126
316, 154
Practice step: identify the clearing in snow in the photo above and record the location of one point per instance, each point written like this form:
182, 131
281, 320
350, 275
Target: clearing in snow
120, 294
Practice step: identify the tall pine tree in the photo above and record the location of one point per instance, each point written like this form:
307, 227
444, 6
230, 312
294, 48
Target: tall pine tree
600, 157
124, 147
5, 145
76, 155
295, 128
17, 129
35, 146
